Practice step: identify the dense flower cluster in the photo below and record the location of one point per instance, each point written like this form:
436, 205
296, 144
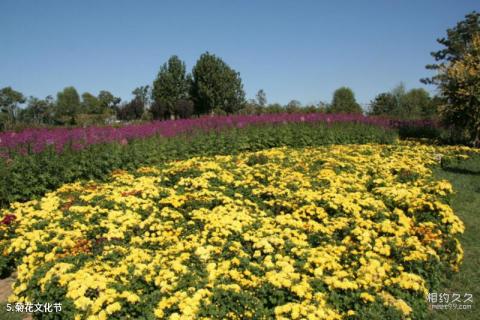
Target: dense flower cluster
318, 233
36, 140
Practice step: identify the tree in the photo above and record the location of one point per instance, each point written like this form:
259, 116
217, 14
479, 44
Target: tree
132, 110
383, 104
107, 101
159, 110
90, 104
434, 109
142, 95
293, 106
171, 85
68, 104
344, 102
215, 86
9, 101
456, 44
38, 111
459, 84
274, 108
417, 104
183, 108
402, 104
261, 98
251, 107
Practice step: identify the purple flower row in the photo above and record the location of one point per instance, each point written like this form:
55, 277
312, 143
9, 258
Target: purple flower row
36, 140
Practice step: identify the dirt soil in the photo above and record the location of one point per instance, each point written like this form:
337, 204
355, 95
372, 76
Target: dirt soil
6, 290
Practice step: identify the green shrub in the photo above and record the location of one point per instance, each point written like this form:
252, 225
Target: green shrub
460, 164
427, 132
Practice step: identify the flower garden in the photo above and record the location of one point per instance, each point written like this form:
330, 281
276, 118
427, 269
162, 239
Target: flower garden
334, 231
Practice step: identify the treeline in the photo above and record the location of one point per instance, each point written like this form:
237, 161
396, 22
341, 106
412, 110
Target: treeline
68, 108
213, 87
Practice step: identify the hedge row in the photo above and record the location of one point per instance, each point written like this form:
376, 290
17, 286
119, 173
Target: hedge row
469, 164
24, 177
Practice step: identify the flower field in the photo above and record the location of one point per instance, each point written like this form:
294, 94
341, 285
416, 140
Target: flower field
36, 140
331, 232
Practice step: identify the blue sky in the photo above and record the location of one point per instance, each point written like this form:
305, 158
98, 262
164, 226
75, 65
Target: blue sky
300, 50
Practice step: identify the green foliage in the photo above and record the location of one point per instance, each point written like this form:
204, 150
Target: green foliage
257, 159
470, 165
458, 78
90, 103
344, 102
400, 104
38, 111
225, 303
455, 44
421, 132
459, 83
261, 97
4, 315
107, 100
68, 104
293, 106
142, 94
171, 85
383, 104
67, 110
9, 100
29, 176
216, 86
417, 103
7, 265
131, 110
274, 108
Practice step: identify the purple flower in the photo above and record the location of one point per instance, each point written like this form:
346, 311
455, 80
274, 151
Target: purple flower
36, 140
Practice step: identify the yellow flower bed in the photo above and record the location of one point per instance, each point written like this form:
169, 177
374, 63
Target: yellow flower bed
322, 233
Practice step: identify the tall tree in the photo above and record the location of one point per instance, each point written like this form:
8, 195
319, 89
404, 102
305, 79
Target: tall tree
215, 86
38, 111
344, 102
401, 104
68, 104
293, 106
171, 85
142, 94
261, 98
455, 45
9, 101
417, 104
107, 101
459, 83
90, 104
383, 104
132, 110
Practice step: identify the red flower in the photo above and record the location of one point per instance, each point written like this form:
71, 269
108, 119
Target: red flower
7, 219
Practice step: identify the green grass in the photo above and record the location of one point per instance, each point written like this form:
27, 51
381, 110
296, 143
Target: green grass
466, 203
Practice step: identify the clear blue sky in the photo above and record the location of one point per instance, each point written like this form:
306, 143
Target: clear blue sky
300, 50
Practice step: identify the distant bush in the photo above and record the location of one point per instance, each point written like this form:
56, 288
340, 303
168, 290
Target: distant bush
428, 132
419, 129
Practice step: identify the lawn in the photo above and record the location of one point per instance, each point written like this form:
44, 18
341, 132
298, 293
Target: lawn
466, 203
